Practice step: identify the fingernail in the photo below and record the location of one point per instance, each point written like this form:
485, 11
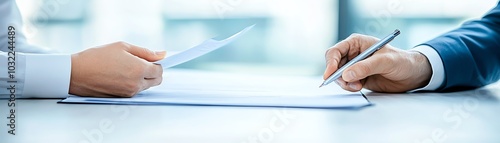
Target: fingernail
352, 86
160, 53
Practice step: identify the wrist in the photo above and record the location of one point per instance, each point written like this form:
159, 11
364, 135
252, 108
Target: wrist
72, 85
422, 69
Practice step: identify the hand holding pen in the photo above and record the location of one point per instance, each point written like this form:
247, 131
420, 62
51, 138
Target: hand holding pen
388, 69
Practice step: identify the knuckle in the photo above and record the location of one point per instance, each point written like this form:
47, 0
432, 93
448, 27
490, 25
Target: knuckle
131, 88
332, 55
130, 94
332, 50
354, 40
122, 44
355, 35
328, 51
360, 40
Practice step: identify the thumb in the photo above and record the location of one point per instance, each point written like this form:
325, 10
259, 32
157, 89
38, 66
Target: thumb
146, 54
370, 66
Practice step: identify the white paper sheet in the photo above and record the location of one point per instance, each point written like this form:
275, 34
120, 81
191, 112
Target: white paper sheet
199, 50
185, 87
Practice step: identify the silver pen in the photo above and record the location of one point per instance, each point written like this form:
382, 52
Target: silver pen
360, 57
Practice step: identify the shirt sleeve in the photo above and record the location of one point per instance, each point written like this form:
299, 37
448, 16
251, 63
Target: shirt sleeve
28, 71
436, 62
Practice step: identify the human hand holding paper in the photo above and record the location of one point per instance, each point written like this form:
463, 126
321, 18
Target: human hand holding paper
87, 77
118, 69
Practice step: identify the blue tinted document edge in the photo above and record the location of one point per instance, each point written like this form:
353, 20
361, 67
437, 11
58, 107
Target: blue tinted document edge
199, 50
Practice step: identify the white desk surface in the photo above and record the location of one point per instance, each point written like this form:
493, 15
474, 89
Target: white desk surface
459, 117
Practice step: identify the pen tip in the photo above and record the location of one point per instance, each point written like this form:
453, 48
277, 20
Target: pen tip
320, 85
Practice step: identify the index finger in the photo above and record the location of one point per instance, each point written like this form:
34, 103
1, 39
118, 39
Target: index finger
346, 50
334, 55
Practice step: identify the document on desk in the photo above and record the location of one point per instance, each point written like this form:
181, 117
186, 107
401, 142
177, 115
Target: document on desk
215, 89
199, 50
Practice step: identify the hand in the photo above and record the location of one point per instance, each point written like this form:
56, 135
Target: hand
387, 70
114, 70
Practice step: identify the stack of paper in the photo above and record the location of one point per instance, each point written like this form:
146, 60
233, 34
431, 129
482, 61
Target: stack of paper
185, 87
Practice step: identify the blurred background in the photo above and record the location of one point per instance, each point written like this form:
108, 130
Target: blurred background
290, 36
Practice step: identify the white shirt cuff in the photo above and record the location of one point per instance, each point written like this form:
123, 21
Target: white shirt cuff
436, 62
47, 76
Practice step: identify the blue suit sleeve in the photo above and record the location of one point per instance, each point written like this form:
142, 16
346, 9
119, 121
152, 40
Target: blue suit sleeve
471, 53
